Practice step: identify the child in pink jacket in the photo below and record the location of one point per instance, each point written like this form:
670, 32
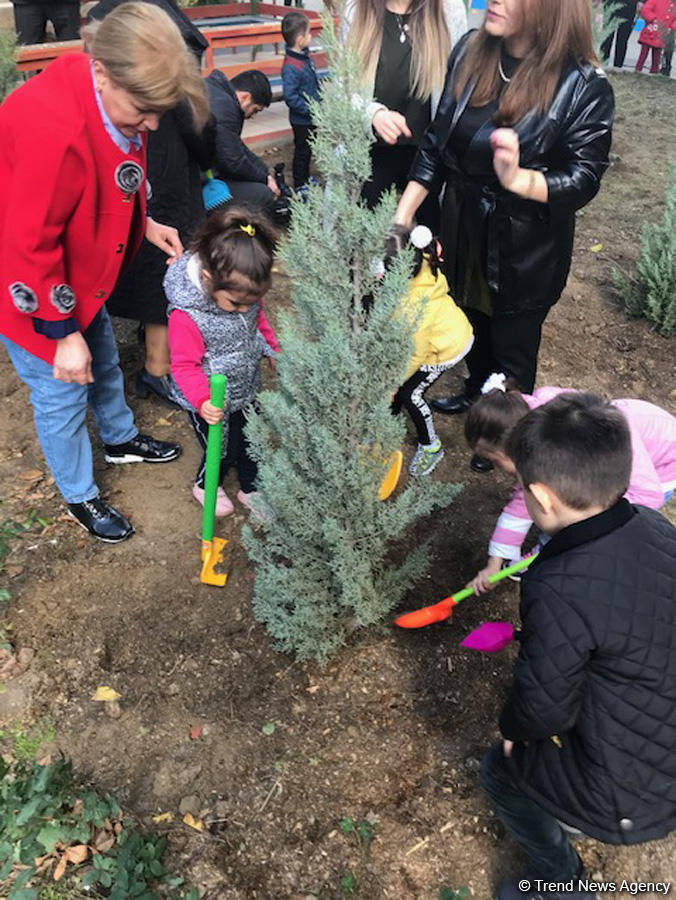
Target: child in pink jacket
660, 18
494, 415
217, 325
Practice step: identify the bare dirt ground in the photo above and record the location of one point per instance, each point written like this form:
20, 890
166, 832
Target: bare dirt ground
394, 728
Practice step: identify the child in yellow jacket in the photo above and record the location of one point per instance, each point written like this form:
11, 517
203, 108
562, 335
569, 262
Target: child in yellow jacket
443, 338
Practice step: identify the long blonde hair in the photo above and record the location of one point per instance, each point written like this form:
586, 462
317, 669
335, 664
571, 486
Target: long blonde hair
560, 32
144, 54
429, 35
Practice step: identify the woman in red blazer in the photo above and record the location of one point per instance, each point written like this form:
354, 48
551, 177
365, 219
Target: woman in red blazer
73, 213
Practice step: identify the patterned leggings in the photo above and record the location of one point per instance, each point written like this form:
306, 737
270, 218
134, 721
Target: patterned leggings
411, 396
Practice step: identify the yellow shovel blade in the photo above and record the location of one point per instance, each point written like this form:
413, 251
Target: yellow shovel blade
392, 477
212, 555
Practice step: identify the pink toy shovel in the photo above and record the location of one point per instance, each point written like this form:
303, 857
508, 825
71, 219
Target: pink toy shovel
491, 637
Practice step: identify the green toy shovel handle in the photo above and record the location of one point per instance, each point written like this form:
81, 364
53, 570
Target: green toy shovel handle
499, 576
213, 464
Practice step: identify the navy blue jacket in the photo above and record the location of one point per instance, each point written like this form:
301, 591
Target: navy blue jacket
300, 81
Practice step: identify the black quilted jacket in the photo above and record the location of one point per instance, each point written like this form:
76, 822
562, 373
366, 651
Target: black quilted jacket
593, 704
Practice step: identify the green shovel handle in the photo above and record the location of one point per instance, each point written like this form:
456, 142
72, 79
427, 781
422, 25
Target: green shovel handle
213, 463
499, 576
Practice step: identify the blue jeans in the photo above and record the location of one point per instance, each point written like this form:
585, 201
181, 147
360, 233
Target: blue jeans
60, 409
550, 854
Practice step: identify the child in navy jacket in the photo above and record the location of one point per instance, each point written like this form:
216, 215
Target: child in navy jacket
300, 82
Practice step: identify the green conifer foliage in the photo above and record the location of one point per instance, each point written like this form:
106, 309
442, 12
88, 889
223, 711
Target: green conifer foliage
9, 75
652, 293
331, 558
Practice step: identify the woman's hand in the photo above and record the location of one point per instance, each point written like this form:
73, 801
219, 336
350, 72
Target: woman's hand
273, 186
73, 360
165, 237
480, 583
212, 415
390, 125
412, 198
505, 143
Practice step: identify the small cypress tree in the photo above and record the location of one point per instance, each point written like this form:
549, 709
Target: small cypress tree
9, 74
331, 558
652, 293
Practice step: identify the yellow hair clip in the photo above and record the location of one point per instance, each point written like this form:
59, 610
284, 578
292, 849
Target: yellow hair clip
248, 229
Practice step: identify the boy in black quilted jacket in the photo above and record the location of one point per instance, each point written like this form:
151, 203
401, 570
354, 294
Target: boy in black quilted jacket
589, 726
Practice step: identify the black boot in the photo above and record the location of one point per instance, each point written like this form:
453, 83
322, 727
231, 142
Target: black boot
156, 384
102, 520
458, 403
480, 464
142, 448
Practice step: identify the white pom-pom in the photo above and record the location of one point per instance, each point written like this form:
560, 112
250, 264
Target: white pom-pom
495, 382
377, 268
421, 237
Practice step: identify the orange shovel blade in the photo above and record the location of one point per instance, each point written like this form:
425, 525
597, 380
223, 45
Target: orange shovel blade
428, 615
212, 555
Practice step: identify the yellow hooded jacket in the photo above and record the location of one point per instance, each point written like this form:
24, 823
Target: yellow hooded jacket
443, 330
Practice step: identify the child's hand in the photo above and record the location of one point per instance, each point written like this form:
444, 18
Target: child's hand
211, 414
480, 583
507, 747
272, 364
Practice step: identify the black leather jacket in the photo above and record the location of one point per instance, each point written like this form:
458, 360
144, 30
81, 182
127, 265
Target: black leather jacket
526, 247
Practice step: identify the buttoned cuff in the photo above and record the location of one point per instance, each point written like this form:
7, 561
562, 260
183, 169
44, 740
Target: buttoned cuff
55, 330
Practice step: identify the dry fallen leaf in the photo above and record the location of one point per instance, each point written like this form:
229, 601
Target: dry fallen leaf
189, 819
162, 421
77, 854
60, 870
596, 248
312, 689
105, 694
104, 842
163, 817
31, 475
14, 571
196, 733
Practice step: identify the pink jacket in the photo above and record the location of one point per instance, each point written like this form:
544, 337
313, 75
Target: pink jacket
653, 472
187, 351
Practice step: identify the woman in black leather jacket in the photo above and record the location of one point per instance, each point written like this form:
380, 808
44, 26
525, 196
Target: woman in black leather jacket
520, 140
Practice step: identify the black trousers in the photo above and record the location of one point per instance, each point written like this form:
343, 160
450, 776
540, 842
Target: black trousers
237, 452
30, 20
302, 153
621, 35
508, 344
411, 397
390, 168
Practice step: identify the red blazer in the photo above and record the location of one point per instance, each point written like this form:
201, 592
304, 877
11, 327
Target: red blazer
72, 206
660, 16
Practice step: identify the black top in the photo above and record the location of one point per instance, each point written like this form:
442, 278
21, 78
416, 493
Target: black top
474, 119
393, 77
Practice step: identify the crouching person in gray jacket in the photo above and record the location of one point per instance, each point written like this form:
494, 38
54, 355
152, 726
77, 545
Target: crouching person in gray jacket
589, 726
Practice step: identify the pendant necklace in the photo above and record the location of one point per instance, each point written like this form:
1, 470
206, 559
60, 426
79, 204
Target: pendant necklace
502, 73
403, 28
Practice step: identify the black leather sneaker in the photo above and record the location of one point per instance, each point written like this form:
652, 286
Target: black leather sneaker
102, 520
452, 406
142, 448
159, 385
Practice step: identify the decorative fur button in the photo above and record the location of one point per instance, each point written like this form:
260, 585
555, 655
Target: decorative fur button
25, 299
129, 177
62, 297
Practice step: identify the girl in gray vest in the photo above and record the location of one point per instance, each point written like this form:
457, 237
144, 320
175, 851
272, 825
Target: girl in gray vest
217, 325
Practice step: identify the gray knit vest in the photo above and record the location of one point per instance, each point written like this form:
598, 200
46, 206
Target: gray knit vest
233, 345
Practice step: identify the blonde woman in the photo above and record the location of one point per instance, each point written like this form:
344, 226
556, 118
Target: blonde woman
404, 47
74, 189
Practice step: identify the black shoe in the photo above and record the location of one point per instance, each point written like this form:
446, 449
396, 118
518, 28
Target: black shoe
142, 448
480, 464
159, 385
100, 519
459, 403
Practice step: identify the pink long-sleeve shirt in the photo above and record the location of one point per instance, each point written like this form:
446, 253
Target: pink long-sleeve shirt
186, 348
653, 471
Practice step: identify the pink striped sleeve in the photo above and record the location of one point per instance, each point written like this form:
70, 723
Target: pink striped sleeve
511, 528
